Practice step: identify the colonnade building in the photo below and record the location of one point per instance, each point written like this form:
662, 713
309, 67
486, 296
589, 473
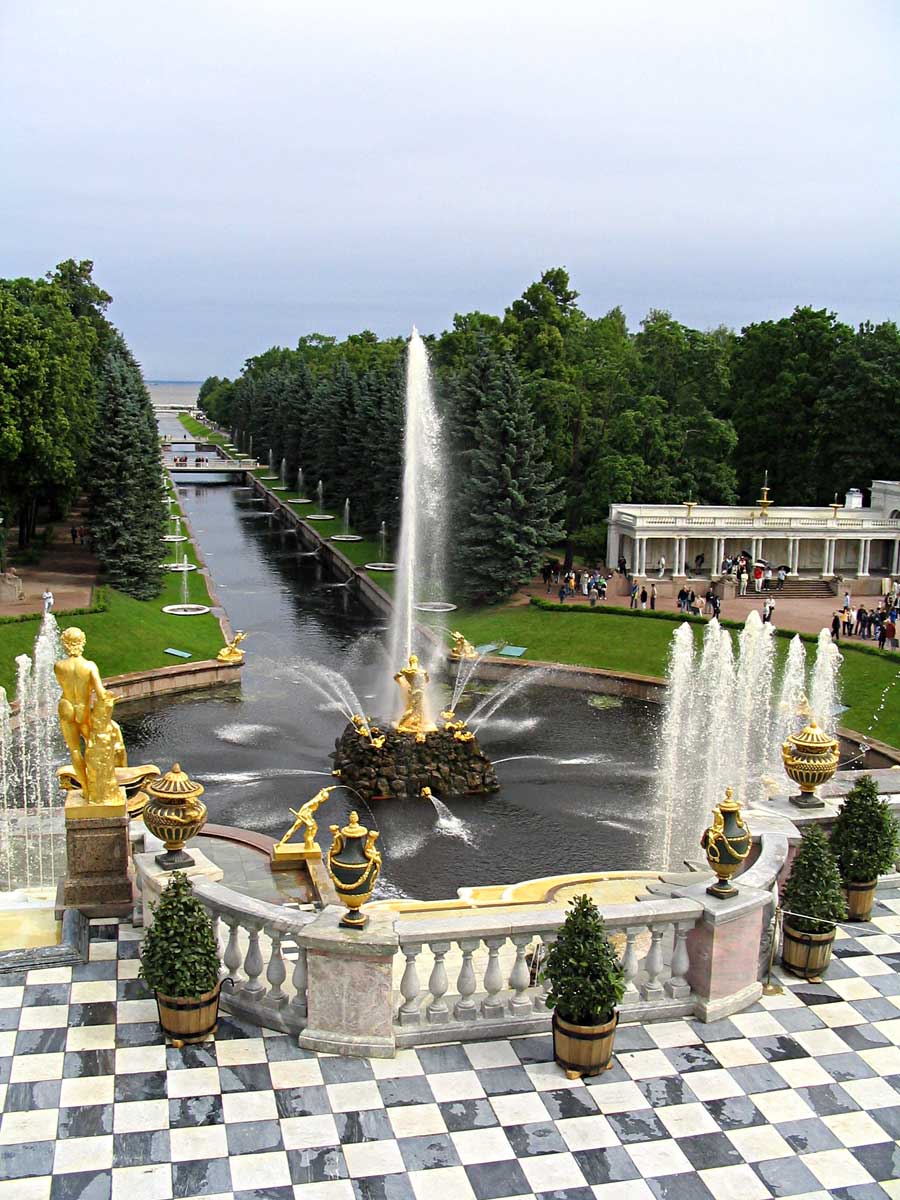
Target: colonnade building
842, 540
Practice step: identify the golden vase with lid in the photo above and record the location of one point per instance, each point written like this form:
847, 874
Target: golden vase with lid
174, 813
810, 759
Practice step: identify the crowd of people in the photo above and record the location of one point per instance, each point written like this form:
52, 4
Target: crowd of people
591, 584
878, 623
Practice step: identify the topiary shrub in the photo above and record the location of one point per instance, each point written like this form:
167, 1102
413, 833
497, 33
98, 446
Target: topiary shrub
865, 836
813, 890
584, 973
179, 955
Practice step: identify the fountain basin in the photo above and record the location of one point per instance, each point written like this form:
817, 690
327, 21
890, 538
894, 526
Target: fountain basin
268, 478
174, 537
181, 567
320, 517
345, 537
380, 566
186, 610
435, 606
299, 500
402, 766
278, 489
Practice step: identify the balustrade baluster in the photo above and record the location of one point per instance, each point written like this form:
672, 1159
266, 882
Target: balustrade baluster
438, 984
630, 965
540, 999
465, 1008
232, 955
520, 1003
253, 965
276, 971
299, 978
652, 988
678, 986
492, 1005
410, 988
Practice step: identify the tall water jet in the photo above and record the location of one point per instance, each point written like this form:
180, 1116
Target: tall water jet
346, 525
284, 472
421, 558
785, 716
271, 461
6, 787
382, 541
752, 712
300, 492
675, 733
320, 495
250, 451
824, 695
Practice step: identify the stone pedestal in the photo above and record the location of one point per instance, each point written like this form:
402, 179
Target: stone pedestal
724, 950
154, 880
349, 989
99, 880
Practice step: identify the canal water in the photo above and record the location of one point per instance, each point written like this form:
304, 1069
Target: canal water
576, 770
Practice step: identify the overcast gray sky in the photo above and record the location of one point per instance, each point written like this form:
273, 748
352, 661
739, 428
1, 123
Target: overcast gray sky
241, 173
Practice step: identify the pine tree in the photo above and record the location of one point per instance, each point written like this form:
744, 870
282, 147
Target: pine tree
509, 504
127, 494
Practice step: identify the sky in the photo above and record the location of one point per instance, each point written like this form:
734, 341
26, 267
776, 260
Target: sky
242, 173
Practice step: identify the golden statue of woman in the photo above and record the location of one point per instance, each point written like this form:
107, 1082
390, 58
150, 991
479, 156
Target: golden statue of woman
412, 680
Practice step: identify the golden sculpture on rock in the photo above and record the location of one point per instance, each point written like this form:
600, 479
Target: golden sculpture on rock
412, 680
462, 648
99, 773
286, 853
230, 652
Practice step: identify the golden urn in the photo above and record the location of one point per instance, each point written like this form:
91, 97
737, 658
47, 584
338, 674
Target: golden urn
174, 813
810, 759
354, 865
727, 844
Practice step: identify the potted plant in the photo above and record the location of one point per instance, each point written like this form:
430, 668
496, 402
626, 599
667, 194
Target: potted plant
812, 902
586, 983
180, 961
864, 842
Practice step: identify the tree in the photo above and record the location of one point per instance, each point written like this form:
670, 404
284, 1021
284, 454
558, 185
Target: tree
128, 515
509, 502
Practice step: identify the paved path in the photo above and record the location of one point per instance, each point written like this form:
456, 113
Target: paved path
68, 569
798, 1096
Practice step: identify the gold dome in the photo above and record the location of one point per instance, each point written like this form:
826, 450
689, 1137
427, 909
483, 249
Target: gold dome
175, 786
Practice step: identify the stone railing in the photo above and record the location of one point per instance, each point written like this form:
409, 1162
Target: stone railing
495, 962
825, 524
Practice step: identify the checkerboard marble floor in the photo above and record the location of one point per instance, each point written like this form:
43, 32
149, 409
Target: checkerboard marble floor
798, 1096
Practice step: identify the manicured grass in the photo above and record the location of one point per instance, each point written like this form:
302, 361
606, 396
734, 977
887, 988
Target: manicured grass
630, 643
197, 430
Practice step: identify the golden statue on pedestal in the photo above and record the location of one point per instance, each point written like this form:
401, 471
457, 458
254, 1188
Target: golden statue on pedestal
412, 680
461, 647
286, 853
229, 652
99, 773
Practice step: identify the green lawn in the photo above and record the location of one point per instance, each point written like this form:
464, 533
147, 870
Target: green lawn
632, 643
198, 430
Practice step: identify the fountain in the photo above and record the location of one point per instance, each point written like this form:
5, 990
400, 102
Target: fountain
345, 535
185, 608
301, 497
177, 536
283, 477
181, 564
321, 515
382, 564
726, 717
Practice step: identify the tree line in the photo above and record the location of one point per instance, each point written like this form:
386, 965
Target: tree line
76, 420
554, 414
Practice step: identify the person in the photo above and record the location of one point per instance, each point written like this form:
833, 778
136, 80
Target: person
883, 632
693, 606
698, 563
860, 626
835, 627
623, 566
717, 604
848, 622
644, 597
634, 596
47, 597
662, 565
846, 599
653, 596
593, 595
562, 593
545, 575
742, 581
782, 574
585, 583
602, 586
74, 532
757, 579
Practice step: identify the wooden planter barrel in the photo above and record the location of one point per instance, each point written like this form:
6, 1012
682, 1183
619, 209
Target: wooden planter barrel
583, 1049
806, 954
860, 898
189, 1018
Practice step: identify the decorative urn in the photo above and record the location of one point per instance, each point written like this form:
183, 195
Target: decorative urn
354, 865
810, 759
174, 813
727, 844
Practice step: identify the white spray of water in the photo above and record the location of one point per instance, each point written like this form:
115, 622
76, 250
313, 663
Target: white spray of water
784, 719
489, 705
448, 824
6, 782
824, 692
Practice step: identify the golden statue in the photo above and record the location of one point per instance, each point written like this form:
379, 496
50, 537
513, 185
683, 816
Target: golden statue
412, 680
461, 647
285, 853
93, 738
229, 652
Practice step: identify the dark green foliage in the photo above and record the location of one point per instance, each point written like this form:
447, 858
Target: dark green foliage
127, 495
865, 835
813, 889
179, 955
585, 976
508, 504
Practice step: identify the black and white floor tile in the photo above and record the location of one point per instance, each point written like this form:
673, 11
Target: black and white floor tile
799, 1096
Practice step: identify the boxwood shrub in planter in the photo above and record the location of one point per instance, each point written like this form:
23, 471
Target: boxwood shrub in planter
812, 902
180, 961
864, 842
586, 984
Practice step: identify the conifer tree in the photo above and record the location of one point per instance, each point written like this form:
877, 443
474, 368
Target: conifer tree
127, 493
508, 501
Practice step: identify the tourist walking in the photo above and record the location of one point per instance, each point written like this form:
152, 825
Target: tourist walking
890, 631
593, 595
585, 583
662, 565
768, 579
742, 581
835, 627
74, 532
653, 596
882, 632
47, 597
634, 596
757, 579
643, 597
782, 574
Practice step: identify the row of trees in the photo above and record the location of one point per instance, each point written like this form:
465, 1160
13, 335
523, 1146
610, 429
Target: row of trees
76, 419
555, 414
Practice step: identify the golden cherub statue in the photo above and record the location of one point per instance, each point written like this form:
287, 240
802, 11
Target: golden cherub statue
285, 852
412, 680
100, 754
462, 648
230, 652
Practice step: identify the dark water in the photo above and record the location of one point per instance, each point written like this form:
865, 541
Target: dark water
576, 786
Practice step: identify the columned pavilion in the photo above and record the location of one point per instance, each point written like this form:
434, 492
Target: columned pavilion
841, 539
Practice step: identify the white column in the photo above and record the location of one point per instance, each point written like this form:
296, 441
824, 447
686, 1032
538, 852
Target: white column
795, 561
637, 567
868, 554
826, 545
895, 563
832, 547
644, 542
861, 559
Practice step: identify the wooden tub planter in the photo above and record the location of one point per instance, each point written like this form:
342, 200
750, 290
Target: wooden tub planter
860, 899
806, 954
583, 1049
187, 1019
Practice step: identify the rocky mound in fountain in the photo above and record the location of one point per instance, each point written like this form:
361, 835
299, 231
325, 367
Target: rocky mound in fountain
390, 763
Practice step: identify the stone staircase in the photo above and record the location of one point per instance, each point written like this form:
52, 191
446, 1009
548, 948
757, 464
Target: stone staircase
797, 588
